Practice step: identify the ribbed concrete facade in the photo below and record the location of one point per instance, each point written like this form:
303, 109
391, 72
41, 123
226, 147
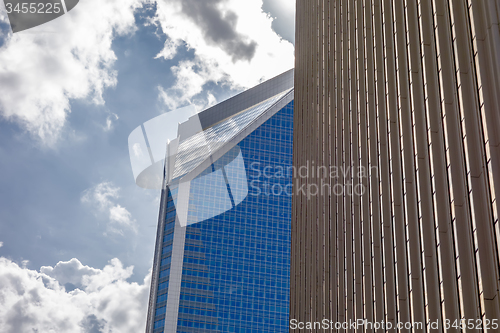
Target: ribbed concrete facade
409, 90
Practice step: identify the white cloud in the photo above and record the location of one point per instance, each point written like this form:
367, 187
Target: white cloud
120, 215
43, 68
103, 197
105, 302
109, 121
101, 194
233, 43
71, 272
1, 244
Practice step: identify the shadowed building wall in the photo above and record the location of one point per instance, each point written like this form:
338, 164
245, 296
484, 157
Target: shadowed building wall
408, 91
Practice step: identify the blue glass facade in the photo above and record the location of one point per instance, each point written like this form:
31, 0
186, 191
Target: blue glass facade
222, 255
236, 265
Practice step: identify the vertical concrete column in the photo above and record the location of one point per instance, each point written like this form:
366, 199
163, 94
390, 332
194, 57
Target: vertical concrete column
426, 220
486, 42
465, 262
374, 170
384, 172
487, 265
416, 294
364, 167
357, 250
339, 78
398, 220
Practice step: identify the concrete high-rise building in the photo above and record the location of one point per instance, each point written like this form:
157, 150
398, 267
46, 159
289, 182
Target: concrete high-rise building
397, 116
222, 258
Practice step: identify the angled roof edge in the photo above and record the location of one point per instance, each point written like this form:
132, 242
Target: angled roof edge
246, 99
271, 111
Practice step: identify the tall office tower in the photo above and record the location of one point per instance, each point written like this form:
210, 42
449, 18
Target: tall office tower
400, 101
222, 258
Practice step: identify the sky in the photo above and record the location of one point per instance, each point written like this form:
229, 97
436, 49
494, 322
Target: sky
76, 234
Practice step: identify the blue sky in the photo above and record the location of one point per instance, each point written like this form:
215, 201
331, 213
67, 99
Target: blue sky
72, 221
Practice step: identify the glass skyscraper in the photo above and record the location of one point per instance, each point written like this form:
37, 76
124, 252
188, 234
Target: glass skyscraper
222, 258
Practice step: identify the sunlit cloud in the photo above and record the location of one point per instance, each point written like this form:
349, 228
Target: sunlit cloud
233, 43
42, 69
71, 298
102, 198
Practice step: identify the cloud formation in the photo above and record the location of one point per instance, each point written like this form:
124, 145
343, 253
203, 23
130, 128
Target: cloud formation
233, 44
104, 301
43, 68
219, 28
102, 197
70, 273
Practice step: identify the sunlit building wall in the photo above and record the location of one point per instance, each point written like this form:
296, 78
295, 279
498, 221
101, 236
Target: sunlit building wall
409, 90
